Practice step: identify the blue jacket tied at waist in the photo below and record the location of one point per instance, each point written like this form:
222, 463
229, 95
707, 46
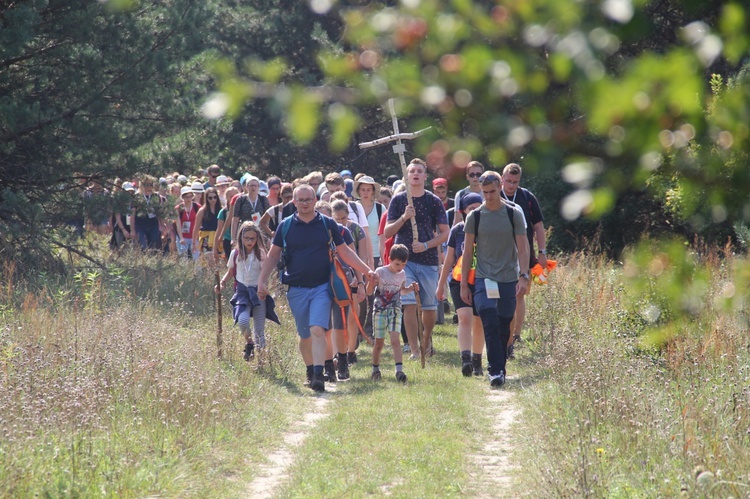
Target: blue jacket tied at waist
248, 295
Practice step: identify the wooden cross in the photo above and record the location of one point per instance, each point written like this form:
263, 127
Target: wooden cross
399, 149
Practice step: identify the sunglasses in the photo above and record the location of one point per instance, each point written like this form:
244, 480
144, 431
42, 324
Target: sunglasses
485, 179
212, 197
474, 175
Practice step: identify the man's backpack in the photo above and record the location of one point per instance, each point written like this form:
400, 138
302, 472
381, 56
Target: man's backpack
456, 274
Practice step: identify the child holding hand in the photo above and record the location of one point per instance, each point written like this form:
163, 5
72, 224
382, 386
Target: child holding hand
386, 316
244, 264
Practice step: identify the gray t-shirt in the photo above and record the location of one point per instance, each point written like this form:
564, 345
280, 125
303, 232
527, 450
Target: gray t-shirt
497, 256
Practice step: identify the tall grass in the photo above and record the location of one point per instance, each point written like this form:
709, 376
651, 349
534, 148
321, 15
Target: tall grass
108, 386
613, 416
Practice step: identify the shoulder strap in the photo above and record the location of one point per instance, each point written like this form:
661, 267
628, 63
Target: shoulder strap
379, 209
234, 261
477, 212
286, 224
509, 210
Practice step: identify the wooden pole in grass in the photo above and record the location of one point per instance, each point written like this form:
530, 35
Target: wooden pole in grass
219, 339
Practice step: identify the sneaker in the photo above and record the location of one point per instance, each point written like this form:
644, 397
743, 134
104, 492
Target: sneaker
496, 380
318, 384
414, 356
376, 376
466, 369
429, 352
401, 376
406, 349
511, 352
343, 371
517, 338
455, 319
249, 351
351, 358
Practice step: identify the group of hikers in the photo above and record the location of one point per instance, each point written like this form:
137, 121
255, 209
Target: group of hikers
400, 245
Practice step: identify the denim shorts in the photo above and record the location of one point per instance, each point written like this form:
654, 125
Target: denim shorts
427, 276
505, 305
310, 307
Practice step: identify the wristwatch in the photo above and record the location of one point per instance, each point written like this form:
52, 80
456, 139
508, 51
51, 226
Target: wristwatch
542, 251
524, 274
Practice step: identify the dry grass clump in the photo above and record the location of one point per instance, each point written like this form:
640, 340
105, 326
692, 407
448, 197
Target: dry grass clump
621, 417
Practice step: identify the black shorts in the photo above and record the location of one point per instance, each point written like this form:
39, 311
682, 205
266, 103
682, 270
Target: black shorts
455, 288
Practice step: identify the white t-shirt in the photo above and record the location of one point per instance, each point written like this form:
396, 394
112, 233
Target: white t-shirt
389, 288
248, 271
359, 217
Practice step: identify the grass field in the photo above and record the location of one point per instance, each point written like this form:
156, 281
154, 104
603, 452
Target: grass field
110, 386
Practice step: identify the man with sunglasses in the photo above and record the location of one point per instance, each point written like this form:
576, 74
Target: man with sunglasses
473, 171
502, 271
213, 173
513, 192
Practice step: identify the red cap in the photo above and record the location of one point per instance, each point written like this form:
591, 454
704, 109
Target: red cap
439, 181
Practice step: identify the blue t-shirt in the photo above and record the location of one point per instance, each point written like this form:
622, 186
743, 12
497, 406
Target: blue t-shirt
307, 261
429, 214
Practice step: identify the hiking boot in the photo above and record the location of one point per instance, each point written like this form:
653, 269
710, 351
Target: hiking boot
330, 374
351, 358
496, 380
376, 376
455, 319
401, 376
249, 351
344, 371
466, 363
318, 384
511, 352
476, 364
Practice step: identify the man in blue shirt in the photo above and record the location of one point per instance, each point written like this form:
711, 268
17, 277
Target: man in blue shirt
307, 274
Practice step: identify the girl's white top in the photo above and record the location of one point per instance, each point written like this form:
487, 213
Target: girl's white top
248, 270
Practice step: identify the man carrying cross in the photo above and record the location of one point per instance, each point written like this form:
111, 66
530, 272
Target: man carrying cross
422, 266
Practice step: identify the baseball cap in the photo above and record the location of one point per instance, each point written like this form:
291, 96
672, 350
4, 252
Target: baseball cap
439, 181
345, 173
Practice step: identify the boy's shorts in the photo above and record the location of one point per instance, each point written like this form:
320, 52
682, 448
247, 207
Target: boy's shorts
385, 321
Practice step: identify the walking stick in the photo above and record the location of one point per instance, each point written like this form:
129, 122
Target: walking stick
219, 340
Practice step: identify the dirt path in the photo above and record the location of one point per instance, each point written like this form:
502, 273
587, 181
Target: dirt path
272, 475
492, 461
